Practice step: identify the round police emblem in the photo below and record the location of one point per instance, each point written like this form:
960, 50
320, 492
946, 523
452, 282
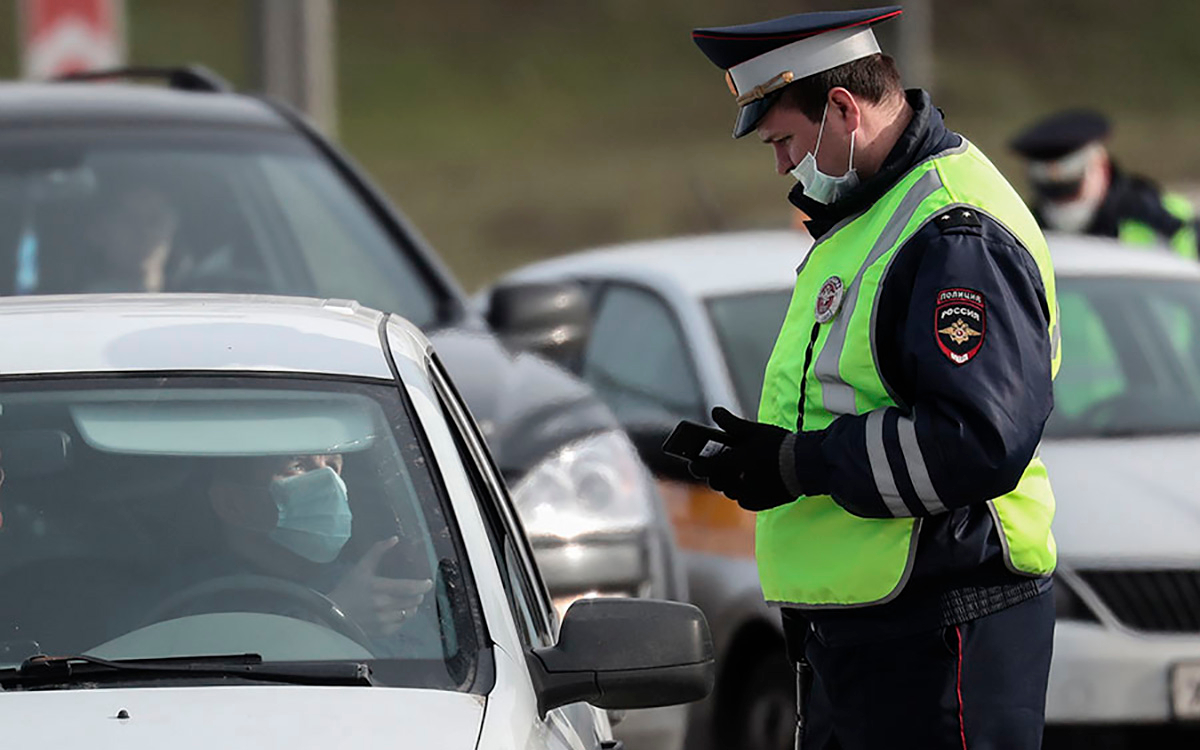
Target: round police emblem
829, 299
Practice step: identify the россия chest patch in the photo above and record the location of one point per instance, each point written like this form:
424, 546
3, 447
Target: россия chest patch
960, 322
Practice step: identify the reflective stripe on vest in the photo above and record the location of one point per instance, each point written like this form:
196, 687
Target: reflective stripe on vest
811, 552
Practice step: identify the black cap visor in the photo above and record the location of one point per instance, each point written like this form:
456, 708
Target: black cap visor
751, 113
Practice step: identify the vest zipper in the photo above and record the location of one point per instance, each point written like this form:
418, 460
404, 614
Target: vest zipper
808, 355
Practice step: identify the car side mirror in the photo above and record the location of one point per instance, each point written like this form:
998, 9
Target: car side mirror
626, 653
549, 319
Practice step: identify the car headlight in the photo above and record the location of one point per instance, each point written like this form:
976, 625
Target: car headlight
593, 486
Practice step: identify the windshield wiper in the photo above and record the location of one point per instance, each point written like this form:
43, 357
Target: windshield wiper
47, 671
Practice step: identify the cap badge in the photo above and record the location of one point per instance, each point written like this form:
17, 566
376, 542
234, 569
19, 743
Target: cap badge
761, 90
829, 299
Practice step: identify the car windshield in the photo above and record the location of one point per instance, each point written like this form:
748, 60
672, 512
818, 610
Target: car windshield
149, 518
1131, 353
181, 210
1131, 358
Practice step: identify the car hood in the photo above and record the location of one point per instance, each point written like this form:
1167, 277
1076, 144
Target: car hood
526, 407
243, 717
1129, 502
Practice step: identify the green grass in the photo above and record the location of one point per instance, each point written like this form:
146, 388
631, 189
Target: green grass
519, 129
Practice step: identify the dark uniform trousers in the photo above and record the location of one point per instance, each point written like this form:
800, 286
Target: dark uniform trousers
979, 685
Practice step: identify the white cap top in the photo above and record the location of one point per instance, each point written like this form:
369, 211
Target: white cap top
803, 58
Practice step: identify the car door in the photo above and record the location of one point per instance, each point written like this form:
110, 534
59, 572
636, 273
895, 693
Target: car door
638, 360
573, 727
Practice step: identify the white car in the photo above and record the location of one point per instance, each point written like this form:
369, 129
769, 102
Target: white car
243, 522
682, 325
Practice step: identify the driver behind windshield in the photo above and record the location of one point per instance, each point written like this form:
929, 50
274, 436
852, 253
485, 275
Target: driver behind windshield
290, 517
133, 232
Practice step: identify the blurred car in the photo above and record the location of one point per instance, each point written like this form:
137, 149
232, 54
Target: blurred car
682, 325
188, 187
137, 611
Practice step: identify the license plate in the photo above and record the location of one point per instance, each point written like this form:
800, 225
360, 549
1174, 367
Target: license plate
1185, 690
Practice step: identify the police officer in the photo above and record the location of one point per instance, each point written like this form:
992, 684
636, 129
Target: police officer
903, 516
1078, 188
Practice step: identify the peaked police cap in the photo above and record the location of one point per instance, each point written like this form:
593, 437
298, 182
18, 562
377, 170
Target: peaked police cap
761, 58
1060, 134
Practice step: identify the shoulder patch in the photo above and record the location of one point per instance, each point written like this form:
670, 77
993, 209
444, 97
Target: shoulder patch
957, 217
960, 323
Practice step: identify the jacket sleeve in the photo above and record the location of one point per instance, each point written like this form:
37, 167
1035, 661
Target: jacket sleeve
963, 344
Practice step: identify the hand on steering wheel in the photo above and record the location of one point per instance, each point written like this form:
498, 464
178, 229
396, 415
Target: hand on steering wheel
378, 604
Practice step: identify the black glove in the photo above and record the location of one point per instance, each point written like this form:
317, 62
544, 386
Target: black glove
747, 471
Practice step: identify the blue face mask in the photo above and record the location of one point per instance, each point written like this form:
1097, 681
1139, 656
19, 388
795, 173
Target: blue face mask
314, 514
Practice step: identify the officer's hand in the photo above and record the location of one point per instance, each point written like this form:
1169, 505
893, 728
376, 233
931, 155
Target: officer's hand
379, 605
748, 471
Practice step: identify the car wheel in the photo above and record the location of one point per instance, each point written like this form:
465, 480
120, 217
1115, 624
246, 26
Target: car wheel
763, 710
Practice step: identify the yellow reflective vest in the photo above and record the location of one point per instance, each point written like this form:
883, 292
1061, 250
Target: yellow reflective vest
812, 552
1182, 243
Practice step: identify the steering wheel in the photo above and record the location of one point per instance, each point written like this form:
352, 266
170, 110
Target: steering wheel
256, 593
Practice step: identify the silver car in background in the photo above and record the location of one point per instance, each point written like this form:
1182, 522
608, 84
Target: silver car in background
681, 325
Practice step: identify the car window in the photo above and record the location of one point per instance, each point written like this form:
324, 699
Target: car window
1091, 372
637, 360
1176, 316
1131, 357
176, 210
324, 217
1131, 353
176, 517
523, 586
747, 326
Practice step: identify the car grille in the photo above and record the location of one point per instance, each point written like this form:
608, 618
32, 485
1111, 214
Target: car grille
1164, 601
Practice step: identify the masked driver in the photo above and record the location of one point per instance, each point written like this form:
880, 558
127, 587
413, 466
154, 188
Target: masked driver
290, 517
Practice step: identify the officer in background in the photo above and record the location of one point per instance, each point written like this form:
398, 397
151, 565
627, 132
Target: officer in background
1078, 188
903, 517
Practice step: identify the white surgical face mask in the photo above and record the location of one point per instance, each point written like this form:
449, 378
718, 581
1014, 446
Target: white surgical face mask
821, 187
1075, 214
1070, 216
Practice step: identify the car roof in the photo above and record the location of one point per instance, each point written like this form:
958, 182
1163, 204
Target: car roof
719, 264
25, 104
197, 333
1080, 255
704, 265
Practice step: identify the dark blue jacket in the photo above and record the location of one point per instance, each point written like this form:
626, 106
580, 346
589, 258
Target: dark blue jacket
978, 423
